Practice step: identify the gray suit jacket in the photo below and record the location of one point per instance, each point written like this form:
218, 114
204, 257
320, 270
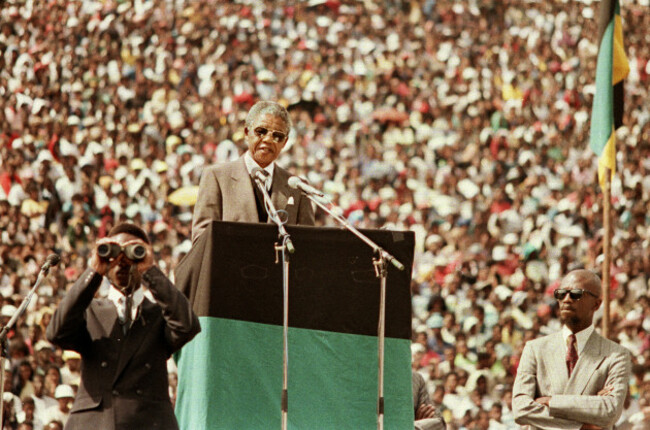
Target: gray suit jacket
421, 396
226, 194
574, 401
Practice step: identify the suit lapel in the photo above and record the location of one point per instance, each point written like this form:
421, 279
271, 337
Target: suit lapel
280, 192
588, 361
106, 316
242, 192
557, 363
135, 336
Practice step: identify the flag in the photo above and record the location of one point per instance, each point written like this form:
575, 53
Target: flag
612, 67
230, 376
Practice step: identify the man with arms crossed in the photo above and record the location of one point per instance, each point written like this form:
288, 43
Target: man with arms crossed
575, 378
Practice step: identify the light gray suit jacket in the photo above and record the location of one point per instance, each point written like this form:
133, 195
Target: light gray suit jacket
420, 397
574, 401
226, 194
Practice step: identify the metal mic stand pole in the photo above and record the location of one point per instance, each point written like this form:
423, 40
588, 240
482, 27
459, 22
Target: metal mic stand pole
286, 247
3, 334
381, 256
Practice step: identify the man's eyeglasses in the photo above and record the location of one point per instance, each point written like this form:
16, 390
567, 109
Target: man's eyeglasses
575, 294
277, 136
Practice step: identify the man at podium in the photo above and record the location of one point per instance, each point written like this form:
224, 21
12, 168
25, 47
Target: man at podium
227, 192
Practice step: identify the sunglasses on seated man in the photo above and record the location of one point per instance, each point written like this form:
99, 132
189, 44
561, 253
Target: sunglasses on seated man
575, 294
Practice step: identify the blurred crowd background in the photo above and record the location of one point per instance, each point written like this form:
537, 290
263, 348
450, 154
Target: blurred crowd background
465, 121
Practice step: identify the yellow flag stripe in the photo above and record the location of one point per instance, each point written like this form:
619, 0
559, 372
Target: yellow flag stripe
621, 65
607, 159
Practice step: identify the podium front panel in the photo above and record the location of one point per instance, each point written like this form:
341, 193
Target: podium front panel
230, 375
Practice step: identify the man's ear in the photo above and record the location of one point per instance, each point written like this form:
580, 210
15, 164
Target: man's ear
598, 303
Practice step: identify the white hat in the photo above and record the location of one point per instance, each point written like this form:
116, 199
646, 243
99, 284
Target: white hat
499, 253
63, 391
510, 239
8, 310
502, 292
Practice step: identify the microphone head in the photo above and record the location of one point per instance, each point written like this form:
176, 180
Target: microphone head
259, 173
294, 181
52, 260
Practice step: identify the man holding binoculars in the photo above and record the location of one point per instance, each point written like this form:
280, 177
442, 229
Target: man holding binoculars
124, 339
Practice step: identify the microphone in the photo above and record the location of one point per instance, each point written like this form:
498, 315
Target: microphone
259, 174
300, 184
51, 261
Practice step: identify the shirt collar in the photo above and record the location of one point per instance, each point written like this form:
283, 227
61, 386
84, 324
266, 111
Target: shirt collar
137, 298
581, 336
251, 164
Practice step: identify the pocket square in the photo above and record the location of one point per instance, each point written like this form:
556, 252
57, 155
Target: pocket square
290, 201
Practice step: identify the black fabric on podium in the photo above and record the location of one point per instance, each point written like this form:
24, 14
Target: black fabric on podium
231, 273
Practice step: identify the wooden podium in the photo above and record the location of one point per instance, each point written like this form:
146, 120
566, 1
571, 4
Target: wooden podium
230, 375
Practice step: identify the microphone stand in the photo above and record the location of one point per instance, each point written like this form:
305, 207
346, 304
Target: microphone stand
4, 350
379, 261
286, 247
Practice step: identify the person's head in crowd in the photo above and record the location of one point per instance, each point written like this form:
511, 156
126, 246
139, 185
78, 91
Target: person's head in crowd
28, 407
44, 353
463, 376
266, 131
496, 412
579, 296
25, 371
482, 420
8, 410
438, 394
52, 379
64, 395
451, 382
72, 360
38, 381
45, 316
6, 312
8, 384
54, 425
26, 425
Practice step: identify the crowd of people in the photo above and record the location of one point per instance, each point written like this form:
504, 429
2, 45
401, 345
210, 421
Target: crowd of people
464, 121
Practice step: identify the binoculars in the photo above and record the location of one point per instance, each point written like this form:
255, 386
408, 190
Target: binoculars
134, 252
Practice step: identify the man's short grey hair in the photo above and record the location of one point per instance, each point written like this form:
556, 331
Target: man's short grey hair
267, 107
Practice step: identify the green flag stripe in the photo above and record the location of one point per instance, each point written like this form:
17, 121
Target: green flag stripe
230, 377
602, 111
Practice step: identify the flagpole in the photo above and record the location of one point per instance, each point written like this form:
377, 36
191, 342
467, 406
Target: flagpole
607, 221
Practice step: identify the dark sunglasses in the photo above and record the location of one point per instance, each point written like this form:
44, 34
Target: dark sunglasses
575, 294
277, 136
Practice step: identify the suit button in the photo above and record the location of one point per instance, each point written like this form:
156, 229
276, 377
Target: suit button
138, 392
147, 365
119, 340
104, 364
116, 393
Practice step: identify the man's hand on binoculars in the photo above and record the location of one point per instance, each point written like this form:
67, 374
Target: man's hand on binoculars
146, 263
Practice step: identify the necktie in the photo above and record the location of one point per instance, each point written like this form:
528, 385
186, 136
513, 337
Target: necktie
259, 199
125, 318
571, 353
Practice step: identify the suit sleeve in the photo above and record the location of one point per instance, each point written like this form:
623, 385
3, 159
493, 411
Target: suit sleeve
182, 324
68, 326
602, 411
525, 409
208, 203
